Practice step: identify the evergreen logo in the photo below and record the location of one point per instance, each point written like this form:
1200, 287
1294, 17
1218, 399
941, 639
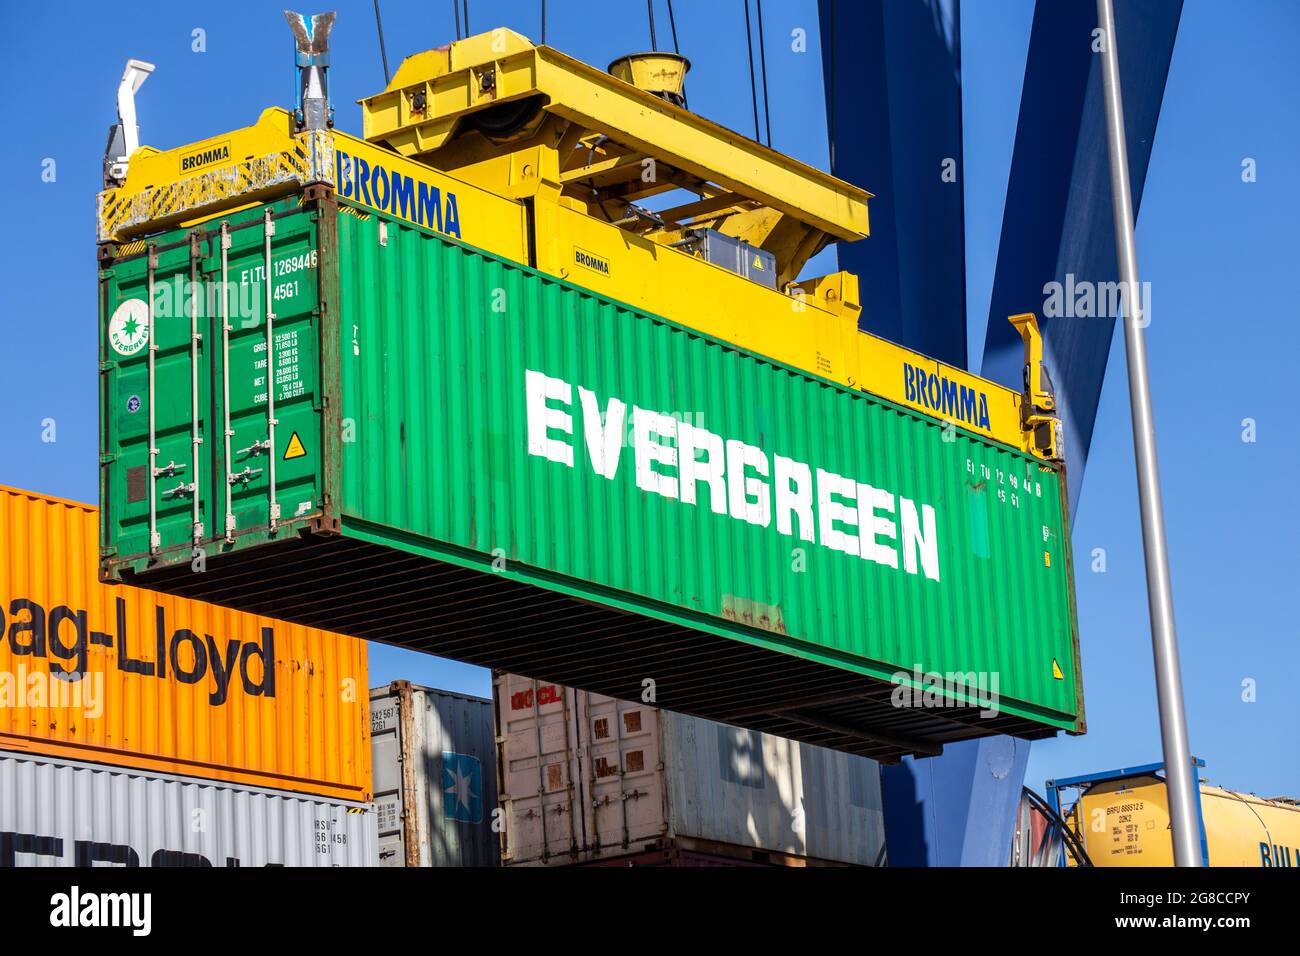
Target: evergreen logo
128, 329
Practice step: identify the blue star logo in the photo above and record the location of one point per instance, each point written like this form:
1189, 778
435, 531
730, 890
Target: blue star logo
462, 787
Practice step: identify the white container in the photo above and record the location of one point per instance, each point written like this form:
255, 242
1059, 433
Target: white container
56, 812
618, 779
434, 763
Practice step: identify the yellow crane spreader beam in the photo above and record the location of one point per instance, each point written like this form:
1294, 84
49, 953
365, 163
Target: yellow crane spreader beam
419, 110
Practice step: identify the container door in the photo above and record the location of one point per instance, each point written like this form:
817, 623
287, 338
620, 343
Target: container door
386, 752
270, 371
541, 790
157, 399
621, 763
210, 421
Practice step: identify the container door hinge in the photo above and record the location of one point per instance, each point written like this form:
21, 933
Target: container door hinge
108, 458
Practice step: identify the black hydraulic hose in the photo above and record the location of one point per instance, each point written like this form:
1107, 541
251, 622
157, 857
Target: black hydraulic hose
1071, 839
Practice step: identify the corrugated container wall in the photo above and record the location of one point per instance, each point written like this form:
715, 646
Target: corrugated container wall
57, 812
118, 675
619, 779
435, 777
485, 438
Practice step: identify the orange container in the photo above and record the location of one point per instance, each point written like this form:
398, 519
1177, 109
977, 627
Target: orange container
118, 675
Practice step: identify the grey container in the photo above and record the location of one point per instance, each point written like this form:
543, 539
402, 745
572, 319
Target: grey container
618, 780
434, 760
64, 813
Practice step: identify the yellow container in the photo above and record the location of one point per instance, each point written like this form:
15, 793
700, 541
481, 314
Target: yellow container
1126, 823
117, 675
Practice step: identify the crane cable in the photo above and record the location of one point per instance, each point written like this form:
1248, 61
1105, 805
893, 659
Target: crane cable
383, 53
650, 9
543, 22
830, 93
455, 9
762, 59
672, 25
753, 82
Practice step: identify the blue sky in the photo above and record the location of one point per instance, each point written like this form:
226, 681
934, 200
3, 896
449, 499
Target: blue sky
1220, 254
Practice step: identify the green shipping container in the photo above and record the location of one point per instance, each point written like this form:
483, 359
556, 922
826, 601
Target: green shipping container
483, 462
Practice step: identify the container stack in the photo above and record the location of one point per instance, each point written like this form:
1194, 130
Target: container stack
146, 730
590, 780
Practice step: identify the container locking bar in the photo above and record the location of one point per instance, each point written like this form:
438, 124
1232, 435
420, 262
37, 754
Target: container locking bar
622, 769
225, 374
196, 439
541, 773
269, 231
568, 762
154, 539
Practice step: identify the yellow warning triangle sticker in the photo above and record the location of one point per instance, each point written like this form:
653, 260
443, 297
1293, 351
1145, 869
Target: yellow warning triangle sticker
295, 449
1056, 670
